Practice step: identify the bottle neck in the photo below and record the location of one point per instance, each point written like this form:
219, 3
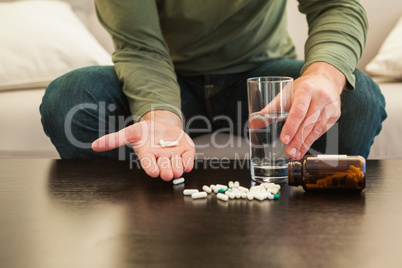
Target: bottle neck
295, 174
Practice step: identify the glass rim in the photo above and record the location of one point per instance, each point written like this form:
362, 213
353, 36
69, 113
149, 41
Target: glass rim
269, 79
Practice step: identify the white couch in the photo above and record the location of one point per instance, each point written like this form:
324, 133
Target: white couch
21, 134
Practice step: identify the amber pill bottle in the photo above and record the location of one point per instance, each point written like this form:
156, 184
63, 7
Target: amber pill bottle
328, 172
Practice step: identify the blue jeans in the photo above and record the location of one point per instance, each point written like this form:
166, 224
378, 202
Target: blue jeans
84, 104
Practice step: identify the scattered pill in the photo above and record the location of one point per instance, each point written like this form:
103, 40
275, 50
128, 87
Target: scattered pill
199, 195
267, 184
259, 196
206, 189
230, 194
221, 186
257, 188
235, 190
243, 189
273, 196
260, 192
222, 197
190, 191
274, 191
178, 180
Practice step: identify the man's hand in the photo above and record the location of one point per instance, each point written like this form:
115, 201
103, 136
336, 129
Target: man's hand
144, 136
315, 107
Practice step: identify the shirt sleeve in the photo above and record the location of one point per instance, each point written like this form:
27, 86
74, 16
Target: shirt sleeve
337, 34
141, 56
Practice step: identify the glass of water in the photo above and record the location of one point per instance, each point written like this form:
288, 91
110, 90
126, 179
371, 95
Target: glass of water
268, 104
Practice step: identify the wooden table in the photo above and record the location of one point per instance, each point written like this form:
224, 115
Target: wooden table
56, 213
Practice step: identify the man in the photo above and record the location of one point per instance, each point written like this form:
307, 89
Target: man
179, 60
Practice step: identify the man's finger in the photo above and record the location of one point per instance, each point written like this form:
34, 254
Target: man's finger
299, 140
188, 160
313, 127
128, 135
317, 131
149, 165
165, 168
177, 166
297, 113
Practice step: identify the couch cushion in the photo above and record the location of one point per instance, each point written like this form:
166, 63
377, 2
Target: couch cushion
388, 143
41, 40
388, 62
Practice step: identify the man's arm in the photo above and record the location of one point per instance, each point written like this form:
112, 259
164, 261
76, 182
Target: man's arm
141, 56
337, 36
144, 67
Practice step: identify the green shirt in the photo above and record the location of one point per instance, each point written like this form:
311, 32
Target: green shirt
154, 39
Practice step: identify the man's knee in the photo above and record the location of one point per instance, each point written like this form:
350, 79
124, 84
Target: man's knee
75, 105
368, 100
85, 84
363, 111
79, 87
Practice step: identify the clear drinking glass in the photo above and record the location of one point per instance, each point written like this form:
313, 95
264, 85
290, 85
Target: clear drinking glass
268, 103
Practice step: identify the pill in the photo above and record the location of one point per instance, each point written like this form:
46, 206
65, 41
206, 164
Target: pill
274, 191
243, 195
178, 180
250, 196
259, 196
243, 189
213, 187
206, 189
264, 194
230, 194
162, 142
257, 188
199, 195
230, 184
171, 143
275, 186
267, 184
222, 197
234, 190
221, 186
190, 191
236, 184
273, 196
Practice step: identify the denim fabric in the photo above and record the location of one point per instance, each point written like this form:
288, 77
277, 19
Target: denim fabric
87, 103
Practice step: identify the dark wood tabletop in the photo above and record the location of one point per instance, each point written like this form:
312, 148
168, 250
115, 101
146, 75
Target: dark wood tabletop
68, 213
